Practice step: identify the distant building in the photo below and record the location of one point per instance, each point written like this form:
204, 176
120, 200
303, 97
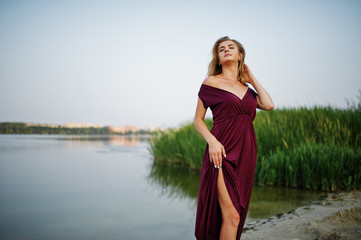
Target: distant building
125, 129
156, 129
82, 125
116, 129
130, 128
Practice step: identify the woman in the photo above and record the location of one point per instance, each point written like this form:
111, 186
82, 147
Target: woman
230, 156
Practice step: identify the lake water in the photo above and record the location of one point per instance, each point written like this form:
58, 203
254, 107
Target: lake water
105, 187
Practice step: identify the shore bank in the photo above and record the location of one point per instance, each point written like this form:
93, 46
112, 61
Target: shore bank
337, 216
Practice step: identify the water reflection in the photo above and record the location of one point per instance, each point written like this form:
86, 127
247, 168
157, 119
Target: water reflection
115, 140
129, 141
269, 201
91, 141
175, 181
179, 182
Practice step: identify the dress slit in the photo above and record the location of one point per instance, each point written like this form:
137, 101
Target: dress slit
236, 206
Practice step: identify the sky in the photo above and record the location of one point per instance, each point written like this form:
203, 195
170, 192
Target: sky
142, 62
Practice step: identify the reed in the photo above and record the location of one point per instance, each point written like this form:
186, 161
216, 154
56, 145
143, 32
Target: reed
182, 146
315, 148
312, 166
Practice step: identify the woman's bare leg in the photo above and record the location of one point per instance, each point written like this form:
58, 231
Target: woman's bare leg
230, 216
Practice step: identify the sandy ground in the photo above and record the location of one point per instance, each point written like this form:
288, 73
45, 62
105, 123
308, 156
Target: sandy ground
338, 216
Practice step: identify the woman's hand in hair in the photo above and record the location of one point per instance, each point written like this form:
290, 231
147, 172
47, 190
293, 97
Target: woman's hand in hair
248, 75
264, 100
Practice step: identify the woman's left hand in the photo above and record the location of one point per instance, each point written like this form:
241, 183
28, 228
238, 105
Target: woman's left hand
249, 77
264, 100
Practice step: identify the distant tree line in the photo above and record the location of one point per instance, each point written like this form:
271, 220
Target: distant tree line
23, 128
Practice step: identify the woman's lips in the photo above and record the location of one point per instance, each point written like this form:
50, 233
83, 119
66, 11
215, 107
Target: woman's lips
227, 55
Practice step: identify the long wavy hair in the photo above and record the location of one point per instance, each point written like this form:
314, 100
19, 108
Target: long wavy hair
215, 68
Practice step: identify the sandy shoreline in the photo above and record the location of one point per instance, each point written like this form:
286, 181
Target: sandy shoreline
337, 216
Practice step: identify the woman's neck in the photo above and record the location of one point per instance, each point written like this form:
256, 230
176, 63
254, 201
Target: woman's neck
229, 71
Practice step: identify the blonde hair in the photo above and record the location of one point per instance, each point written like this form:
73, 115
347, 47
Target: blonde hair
215, 68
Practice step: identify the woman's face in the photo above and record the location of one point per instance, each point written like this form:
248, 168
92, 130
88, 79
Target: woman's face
228, 51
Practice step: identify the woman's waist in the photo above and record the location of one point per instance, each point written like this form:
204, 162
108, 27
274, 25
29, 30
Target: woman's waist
236, 117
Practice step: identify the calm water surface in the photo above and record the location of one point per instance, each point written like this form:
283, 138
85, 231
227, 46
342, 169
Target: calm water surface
105, 187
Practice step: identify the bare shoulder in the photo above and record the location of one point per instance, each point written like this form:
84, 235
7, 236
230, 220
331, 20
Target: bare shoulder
211, 80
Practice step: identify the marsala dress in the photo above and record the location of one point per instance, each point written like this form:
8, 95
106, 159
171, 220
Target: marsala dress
233, 127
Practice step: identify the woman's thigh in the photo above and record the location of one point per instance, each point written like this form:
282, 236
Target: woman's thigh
227, 207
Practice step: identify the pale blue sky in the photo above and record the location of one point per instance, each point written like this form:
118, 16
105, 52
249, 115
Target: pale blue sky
142, 62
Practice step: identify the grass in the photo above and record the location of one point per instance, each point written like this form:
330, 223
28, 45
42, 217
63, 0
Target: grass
315, 148
182, 146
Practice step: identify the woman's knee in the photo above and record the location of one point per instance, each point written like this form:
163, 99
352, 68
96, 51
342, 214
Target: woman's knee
232, 218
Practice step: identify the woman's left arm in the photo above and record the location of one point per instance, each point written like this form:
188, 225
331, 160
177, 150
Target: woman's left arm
264, 100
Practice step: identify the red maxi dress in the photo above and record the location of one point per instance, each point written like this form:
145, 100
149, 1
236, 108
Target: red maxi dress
233, 127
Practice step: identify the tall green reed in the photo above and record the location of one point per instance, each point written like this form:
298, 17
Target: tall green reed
315, 148
182, 146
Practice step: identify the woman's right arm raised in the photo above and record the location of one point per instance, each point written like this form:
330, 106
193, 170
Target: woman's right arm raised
216, 149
